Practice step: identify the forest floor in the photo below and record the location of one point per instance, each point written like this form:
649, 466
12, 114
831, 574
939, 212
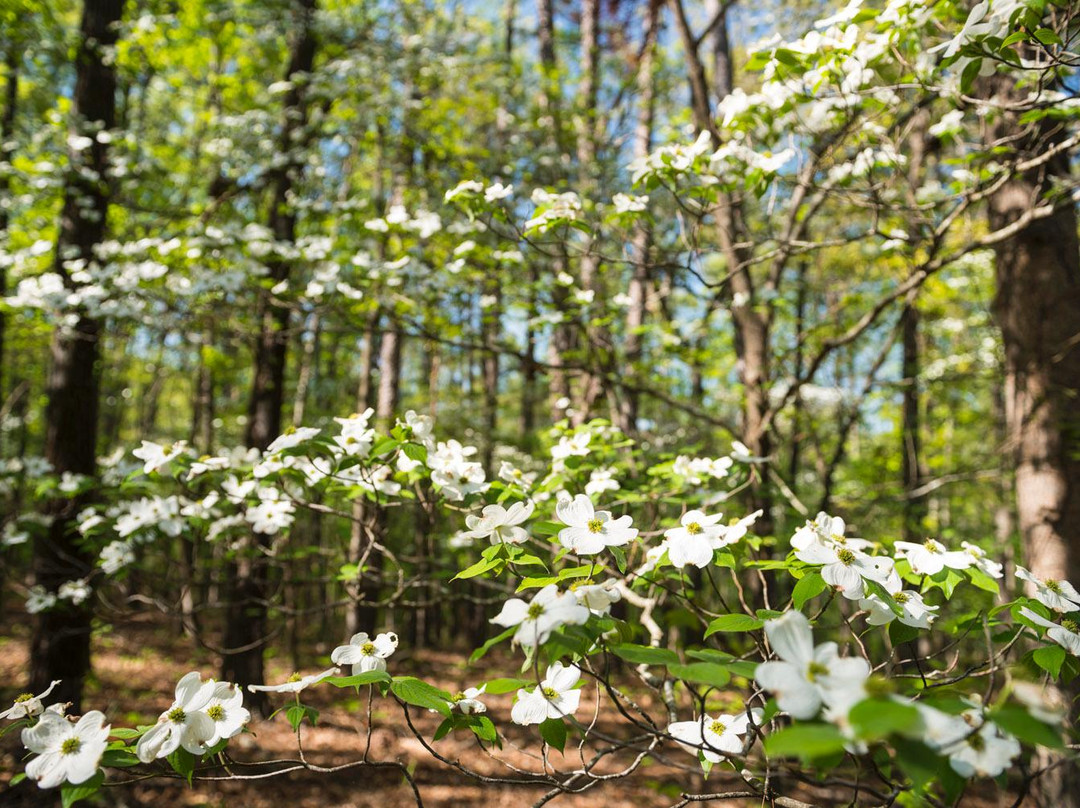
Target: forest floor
136, 667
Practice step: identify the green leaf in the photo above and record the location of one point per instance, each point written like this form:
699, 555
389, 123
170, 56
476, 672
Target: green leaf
415, 451
873, 719
443, 729
69, 794
296, 713
365, 678
1027, 728
876, 588
1047, 37
183, 763
18, 778
420, 694
483, 728
479, 568
545, 528
553, 731
119, 758
982, 580
1050, 658
900, 633
733, 623
809, 586
645, 654
706, 673
805, 741
496, 687
918, 761
498, 638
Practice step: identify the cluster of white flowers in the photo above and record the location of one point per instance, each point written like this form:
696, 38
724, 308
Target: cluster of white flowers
202, 714
456, 475
552, 210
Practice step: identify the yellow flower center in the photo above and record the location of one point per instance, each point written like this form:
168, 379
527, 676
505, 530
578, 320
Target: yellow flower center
549, 693
846, 557
693, 528
296, 677
718, 727
368, 649
535, 610
1053, 586
177, 715
814, 670
23, 697
595, 525
70, 746
216, 712
931, 546
1070, 625
901, 597
976, 742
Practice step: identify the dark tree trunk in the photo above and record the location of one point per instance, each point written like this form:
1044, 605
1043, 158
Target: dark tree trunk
1037, 307
911, 429
60, 647
248, 596
7, 149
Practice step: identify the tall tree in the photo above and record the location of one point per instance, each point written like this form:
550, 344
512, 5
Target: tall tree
1037, 307
60, 648
246, 626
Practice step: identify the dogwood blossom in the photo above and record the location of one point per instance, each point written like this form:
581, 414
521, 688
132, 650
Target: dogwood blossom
500, 524
356, 436
468, 701
973, 744
226, 709
845, 567
155, 456
601, 480
296, 682
1066, 634
695, 540
364, 653
548, 610
982, 561
66, 752
915, 612
271, 514
931, 557
555, 697
714, 738
1061, 596
291, 439
28, 705
590, 531
597, 597
183, 724
805, 677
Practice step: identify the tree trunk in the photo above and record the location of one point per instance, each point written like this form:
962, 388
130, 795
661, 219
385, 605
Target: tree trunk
60, 647
1037, 307
7, 150
246, 609
911, 429
641, 238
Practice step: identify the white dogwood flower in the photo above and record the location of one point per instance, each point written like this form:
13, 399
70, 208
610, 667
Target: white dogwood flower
500, 524
364, 653
980, 560
1066, 634
597, 598
714, 738
931, 557
590, 530
468, 701
28, 705
694, 540
805, 676
155, 456
915, 612
226, 709
296, 682
66, 752
555, 697
183, 724
1061, 596
548, 610
845, 567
